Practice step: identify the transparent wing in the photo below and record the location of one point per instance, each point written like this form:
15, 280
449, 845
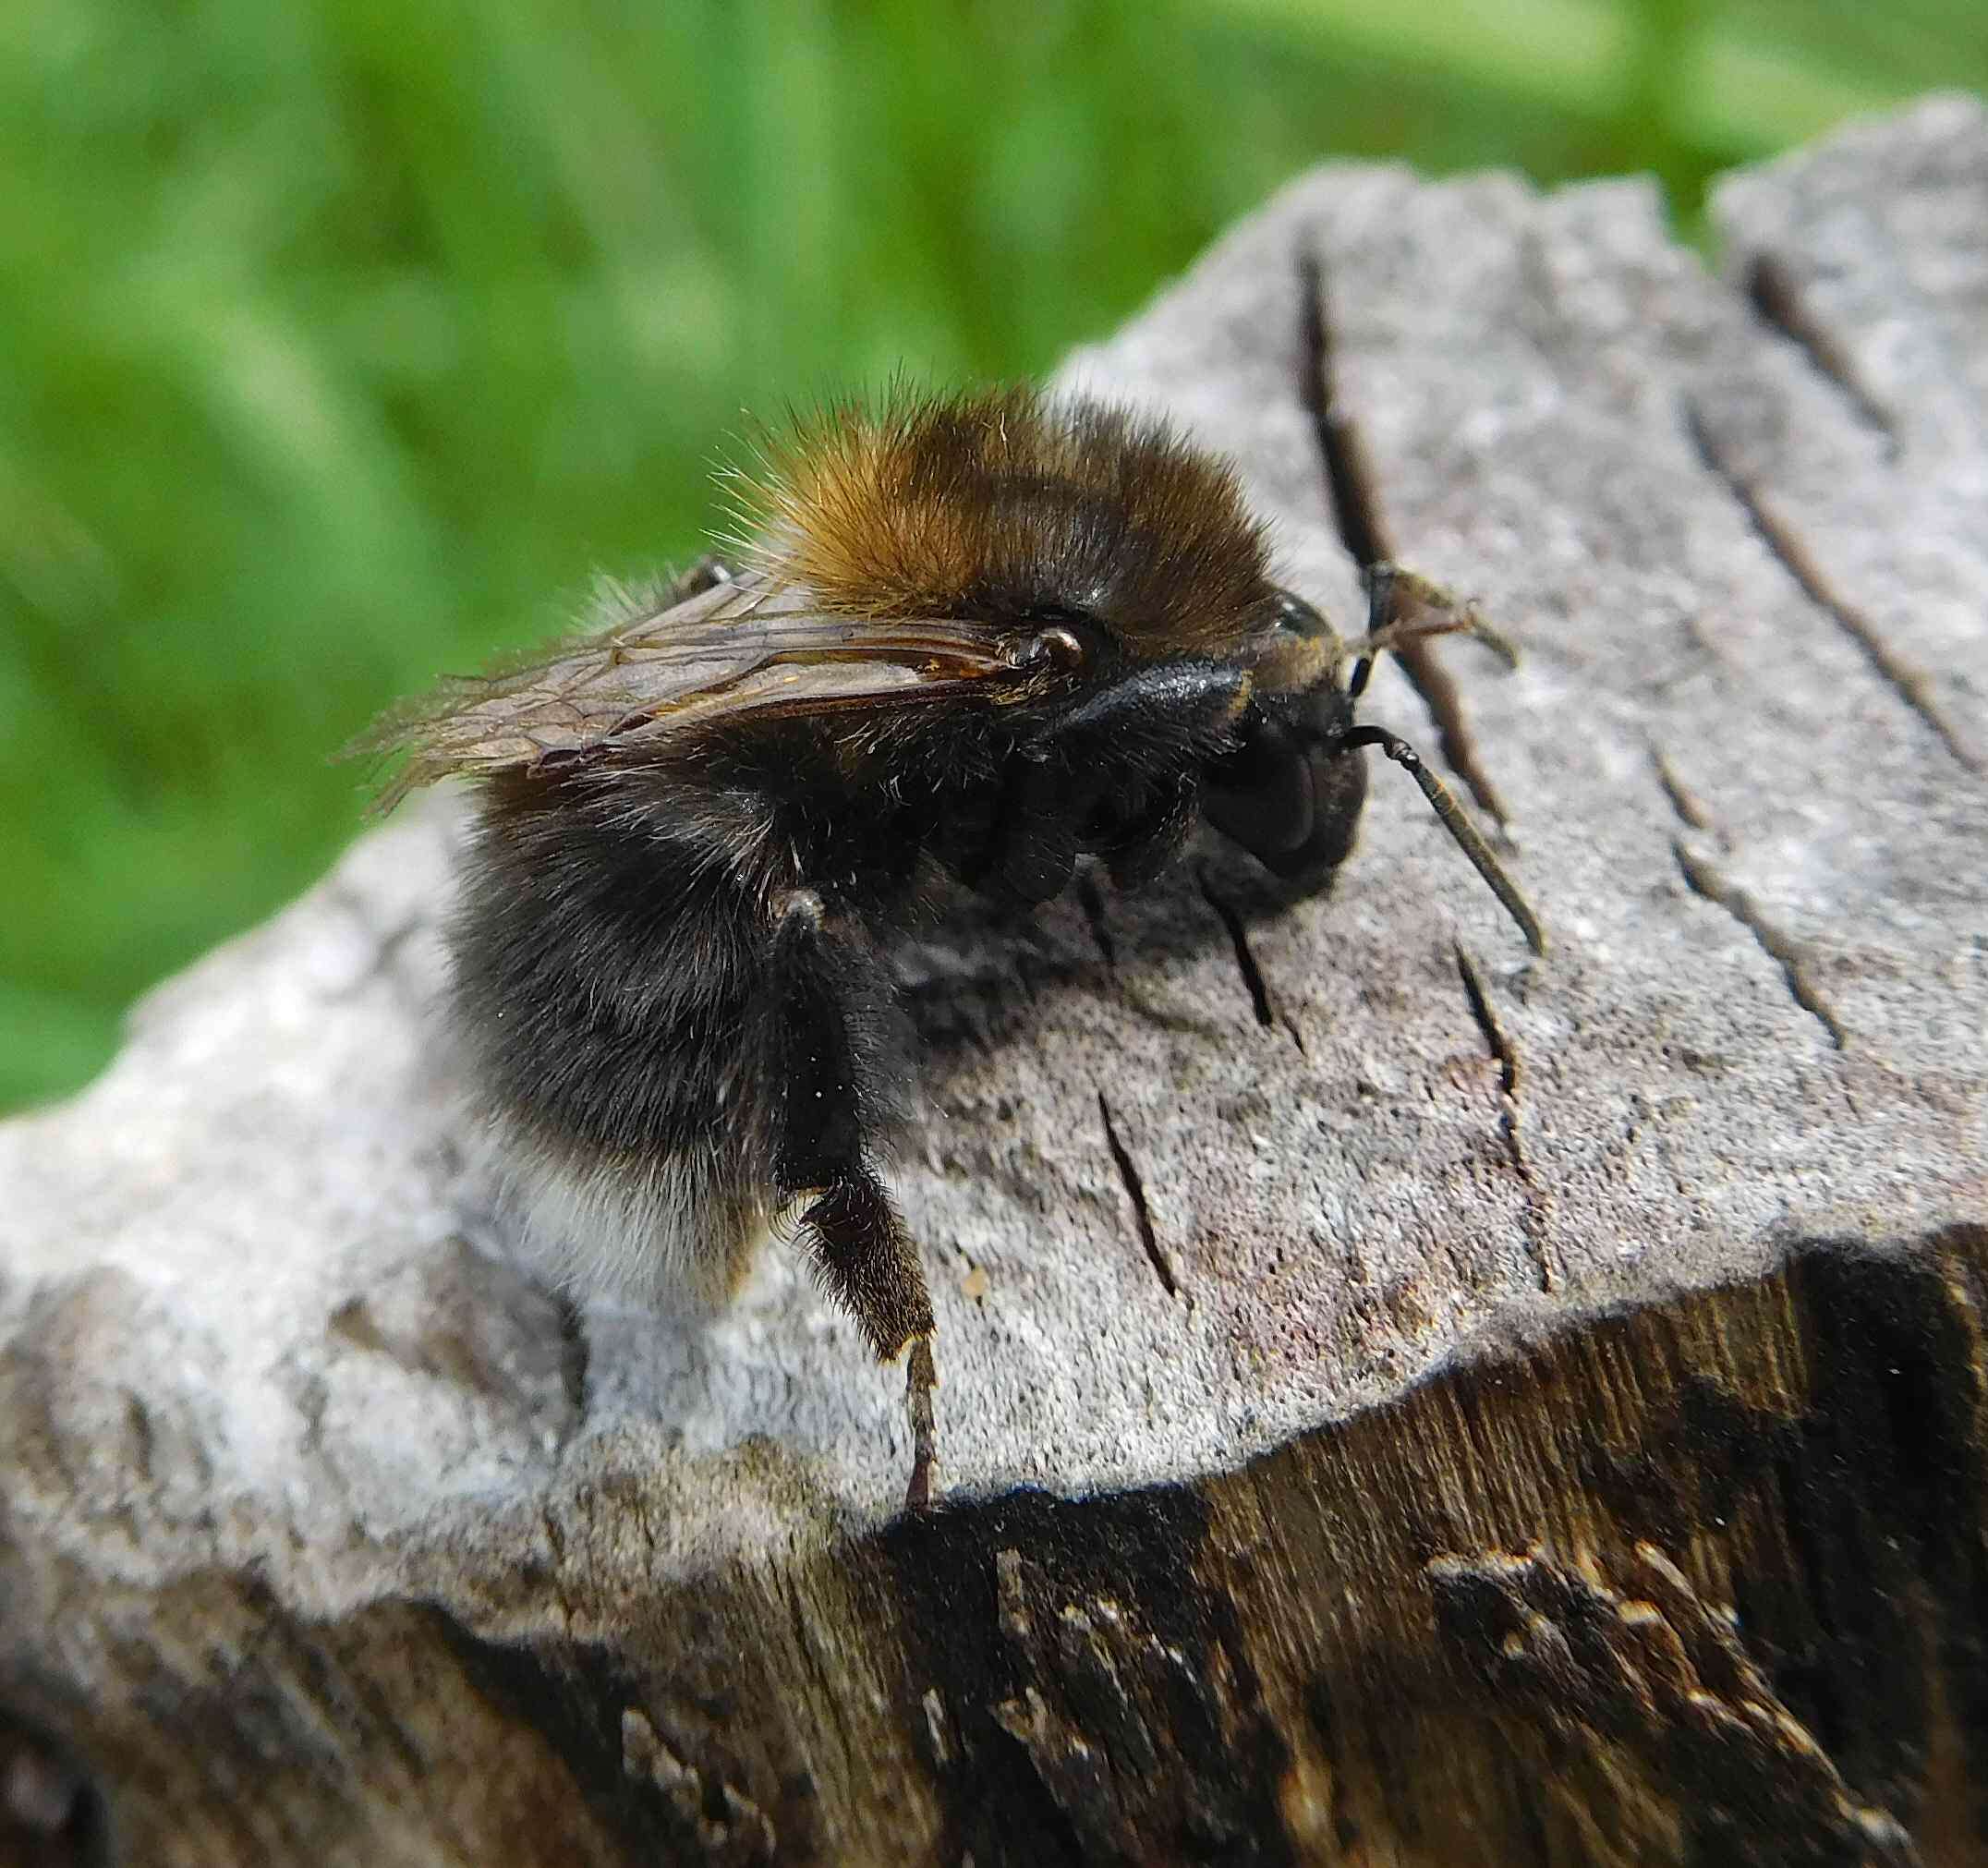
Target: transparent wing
728, 653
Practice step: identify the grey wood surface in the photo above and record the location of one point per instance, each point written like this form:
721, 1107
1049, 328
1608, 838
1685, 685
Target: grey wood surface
1409, 1349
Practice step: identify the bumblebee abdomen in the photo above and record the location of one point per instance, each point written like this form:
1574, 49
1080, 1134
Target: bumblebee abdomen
594, 958
634, 1013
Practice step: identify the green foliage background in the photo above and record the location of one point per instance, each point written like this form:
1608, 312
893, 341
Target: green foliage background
341, 340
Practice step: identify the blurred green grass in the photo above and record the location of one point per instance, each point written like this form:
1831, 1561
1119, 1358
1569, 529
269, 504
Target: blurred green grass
340, 342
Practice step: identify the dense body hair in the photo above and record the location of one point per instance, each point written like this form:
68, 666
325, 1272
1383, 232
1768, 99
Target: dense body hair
976, 639
617, 996
1006, 504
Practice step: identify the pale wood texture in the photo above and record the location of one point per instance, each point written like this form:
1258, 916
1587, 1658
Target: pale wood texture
1375, 1363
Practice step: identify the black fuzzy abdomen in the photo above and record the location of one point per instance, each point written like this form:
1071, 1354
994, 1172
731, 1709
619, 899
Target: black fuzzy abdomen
606, 978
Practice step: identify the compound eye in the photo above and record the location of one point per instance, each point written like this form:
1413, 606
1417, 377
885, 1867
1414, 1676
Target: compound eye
1294, 613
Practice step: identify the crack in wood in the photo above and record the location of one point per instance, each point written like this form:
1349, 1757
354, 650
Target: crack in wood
1502, 1048
1135, 1191
1910, 682
1353, 486
1771, 291
1690, 808
1349, 477
1705, 879
1504, 1051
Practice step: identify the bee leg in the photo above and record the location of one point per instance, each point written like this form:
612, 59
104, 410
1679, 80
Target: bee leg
1055, 787
1038, 840
866, 1260
830, 1103
920, 1380
1139, 849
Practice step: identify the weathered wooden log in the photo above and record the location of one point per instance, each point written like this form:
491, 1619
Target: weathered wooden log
1403, 1402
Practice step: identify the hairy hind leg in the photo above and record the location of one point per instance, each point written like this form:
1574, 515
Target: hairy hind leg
868, 1261
830, 1101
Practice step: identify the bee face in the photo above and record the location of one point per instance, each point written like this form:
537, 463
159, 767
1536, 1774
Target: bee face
987, 633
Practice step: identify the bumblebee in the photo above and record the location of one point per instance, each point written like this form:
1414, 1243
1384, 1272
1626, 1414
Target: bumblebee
983, 637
